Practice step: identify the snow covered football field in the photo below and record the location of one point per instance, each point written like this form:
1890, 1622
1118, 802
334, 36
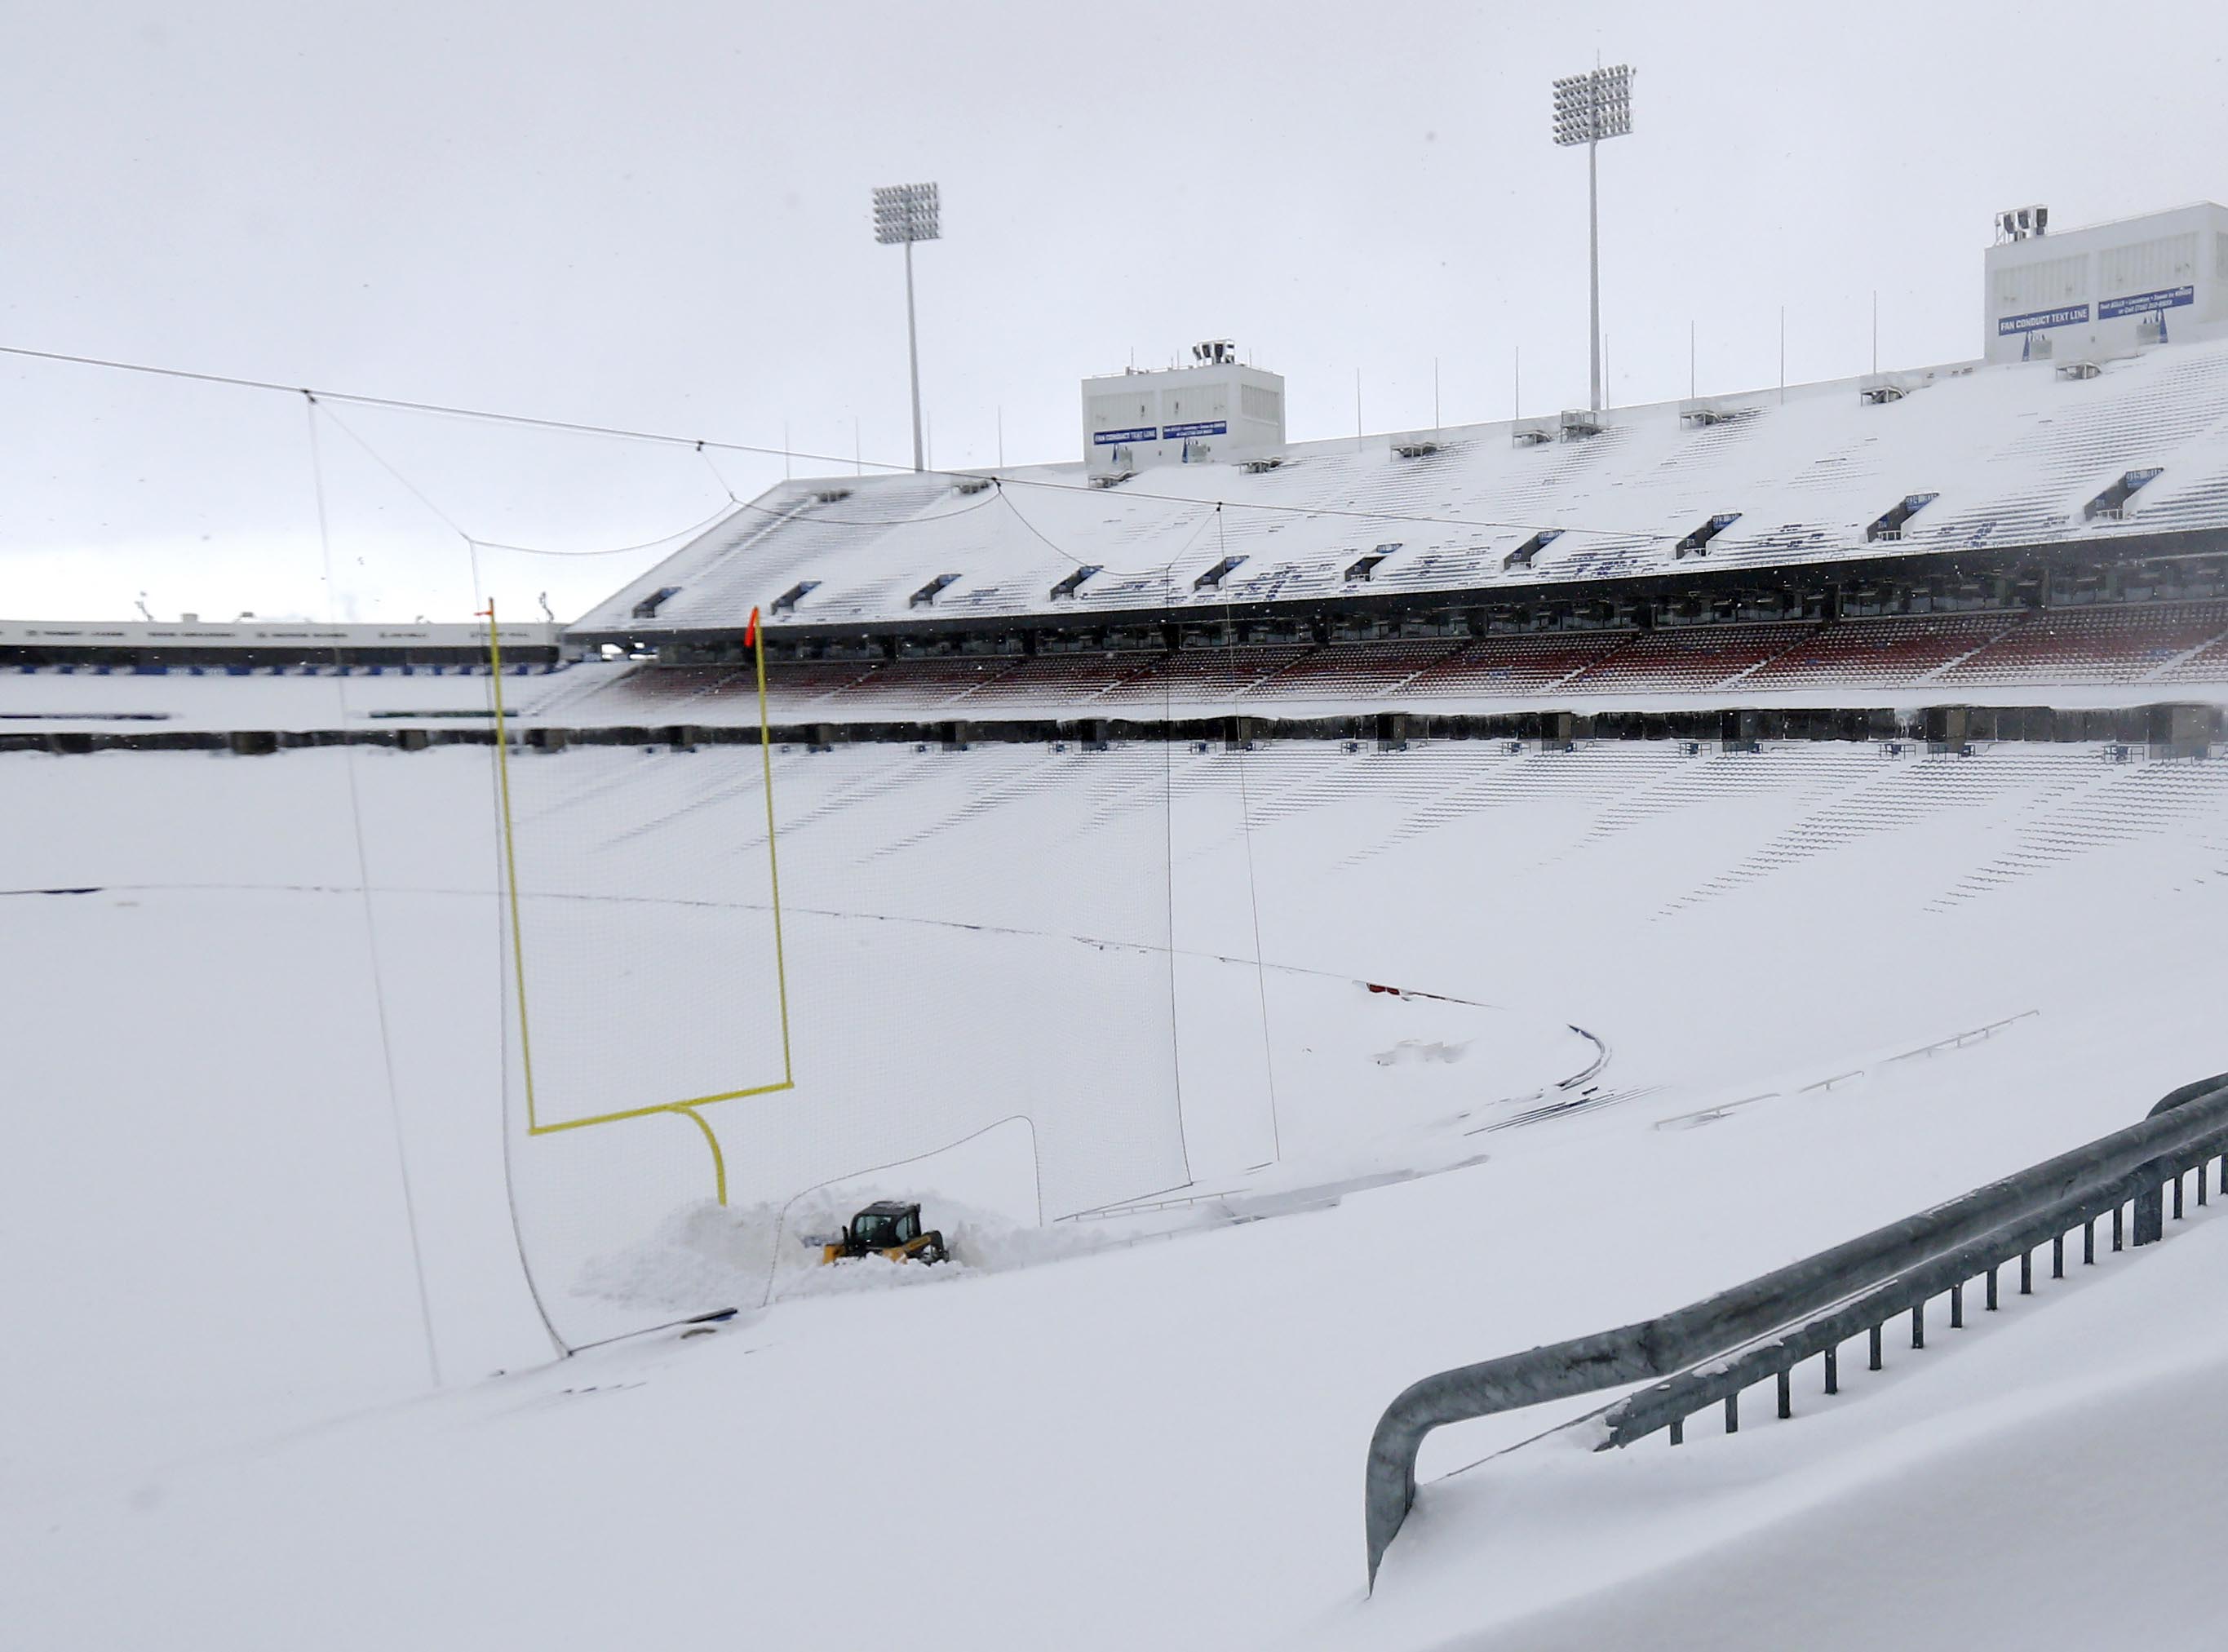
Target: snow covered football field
1665, 1020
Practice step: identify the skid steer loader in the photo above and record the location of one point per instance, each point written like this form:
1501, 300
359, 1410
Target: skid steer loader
888, 1228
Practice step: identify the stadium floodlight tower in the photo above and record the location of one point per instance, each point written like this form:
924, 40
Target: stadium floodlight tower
1590, 107
904, 213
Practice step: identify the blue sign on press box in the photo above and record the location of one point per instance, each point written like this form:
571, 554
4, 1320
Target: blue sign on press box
2071, 315
1205, 427
2137, 304
1115, 438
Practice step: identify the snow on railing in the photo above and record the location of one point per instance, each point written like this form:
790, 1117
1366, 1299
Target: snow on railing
1955, 1042
1971, 1035
1707, 1352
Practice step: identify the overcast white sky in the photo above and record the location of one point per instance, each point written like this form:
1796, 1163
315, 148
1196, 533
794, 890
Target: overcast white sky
655, 214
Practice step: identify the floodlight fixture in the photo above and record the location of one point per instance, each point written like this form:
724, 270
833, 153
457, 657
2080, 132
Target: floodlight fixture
1594, 105
1590, 108
904, 213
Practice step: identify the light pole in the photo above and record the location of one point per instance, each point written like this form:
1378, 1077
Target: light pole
904, 213
1590, 107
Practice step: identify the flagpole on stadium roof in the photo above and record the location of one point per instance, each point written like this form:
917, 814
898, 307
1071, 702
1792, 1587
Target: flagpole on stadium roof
1590, 108
904, 213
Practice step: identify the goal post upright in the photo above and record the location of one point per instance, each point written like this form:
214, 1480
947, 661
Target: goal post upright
686, 1106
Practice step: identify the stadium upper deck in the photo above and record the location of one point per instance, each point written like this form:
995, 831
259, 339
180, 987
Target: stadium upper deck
1940, 470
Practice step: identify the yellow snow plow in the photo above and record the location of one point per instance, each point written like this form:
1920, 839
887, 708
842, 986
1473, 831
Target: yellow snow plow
888, 1228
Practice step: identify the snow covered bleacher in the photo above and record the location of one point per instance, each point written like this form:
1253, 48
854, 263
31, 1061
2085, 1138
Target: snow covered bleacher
2008, 455
1207, 675
1354, 671
1691, 658
1514, 665
1868, 652
2093, 645
1058, 680
2182, 643
924, 683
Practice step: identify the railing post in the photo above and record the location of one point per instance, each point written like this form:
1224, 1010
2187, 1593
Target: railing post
1876, 1347
2150, 1213
2058, 1257
2200, 1184
1834, 1369
1957, 1308
1678, 1429
1786, 1395
2089, 1242
2116, 1227
2177, 1195
1732, 1413
1918, 1326
2027, 1273
1992, 1290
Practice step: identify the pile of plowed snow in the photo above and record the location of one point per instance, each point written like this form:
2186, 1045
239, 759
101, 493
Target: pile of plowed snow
746, 1255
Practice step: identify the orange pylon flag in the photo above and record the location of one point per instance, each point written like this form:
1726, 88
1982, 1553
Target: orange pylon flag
751, 636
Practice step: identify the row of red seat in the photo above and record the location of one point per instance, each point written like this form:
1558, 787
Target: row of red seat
2185, 642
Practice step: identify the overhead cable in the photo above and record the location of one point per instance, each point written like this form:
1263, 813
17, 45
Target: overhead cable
701, 443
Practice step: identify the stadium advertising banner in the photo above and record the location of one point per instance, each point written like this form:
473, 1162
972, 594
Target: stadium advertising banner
2071, 315
2137, 304
1204, 427
1113, 437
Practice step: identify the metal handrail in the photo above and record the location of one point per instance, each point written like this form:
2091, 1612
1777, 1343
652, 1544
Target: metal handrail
1810, 1306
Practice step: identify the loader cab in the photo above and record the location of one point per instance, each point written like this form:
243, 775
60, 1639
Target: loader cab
884, 1226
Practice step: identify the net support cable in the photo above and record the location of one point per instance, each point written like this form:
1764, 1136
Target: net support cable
371, 921
702, 442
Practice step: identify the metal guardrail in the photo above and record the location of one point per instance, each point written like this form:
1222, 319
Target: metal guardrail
1959, 1040
1954, 1041
1707, 1352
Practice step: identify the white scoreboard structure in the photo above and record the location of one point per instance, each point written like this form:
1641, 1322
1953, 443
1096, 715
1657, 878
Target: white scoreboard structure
2108, 290
1217, 408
